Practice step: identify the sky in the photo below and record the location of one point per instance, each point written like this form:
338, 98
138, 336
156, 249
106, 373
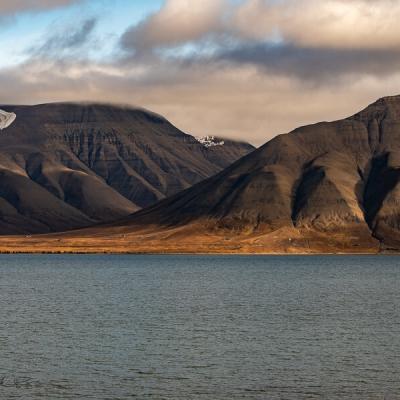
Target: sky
241, 69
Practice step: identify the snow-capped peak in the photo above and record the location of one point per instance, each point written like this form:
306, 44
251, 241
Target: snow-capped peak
210, 141
6, 119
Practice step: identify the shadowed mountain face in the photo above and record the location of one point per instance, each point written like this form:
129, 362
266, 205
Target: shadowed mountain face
65, 166
334, 178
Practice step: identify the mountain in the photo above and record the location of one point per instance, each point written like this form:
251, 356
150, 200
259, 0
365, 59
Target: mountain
66, 165
329, 187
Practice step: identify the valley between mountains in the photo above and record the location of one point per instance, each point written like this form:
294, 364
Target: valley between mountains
331, 187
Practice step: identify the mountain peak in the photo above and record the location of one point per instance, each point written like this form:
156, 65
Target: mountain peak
388, 102
210, 141
389, 99
384, 107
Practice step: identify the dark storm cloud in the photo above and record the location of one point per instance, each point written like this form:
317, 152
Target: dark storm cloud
312, 64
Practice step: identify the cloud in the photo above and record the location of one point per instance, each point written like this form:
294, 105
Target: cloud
236, 101
178, 22
316, 65
246, 69
8, 7
65, 41
307, 39
350, 24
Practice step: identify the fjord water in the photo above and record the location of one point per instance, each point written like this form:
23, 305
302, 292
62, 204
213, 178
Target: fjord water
199, 327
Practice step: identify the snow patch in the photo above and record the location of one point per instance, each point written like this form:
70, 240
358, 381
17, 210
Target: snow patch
210, 141
6, 119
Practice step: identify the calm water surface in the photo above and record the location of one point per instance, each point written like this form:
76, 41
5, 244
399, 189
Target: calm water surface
180, 327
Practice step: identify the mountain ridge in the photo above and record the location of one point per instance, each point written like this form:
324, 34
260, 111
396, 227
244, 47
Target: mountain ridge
330, 187
320, 183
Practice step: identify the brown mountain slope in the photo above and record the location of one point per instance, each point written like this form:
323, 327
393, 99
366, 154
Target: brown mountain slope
328, 187
65, 166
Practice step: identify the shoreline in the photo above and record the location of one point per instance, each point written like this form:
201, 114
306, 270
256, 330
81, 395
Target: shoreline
143, 253
196, 239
